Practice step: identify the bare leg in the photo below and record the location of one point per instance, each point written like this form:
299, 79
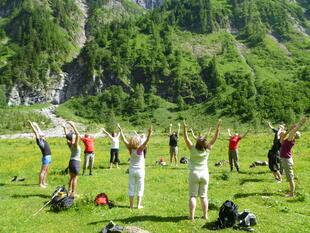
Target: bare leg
139, 200
204, 206
171, 157
41, 176
74, 182
45, 175
131, 201
175, 159
192, 207
292, 187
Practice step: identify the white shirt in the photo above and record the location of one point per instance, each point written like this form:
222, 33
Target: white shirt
115, 143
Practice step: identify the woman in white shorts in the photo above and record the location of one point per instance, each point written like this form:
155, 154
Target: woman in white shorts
199, 175
137, 166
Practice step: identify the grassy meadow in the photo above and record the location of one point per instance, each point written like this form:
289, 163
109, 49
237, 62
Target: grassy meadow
166, 192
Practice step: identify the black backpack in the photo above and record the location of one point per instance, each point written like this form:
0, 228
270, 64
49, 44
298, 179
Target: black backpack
228, 215
60, 200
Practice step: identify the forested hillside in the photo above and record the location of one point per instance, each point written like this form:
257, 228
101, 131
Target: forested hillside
247, 59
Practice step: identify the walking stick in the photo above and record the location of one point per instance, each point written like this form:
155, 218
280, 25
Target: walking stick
38, 211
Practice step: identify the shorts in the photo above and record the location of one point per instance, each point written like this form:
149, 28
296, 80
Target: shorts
46, 160
198, 182
174, 150
287, 165
74, 167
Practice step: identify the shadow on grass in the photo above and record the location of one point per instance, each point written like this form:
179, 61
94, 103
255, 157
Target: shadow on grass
244, 195
253, 172
17, 184
30, 195
151, 218
243, 181
210, 226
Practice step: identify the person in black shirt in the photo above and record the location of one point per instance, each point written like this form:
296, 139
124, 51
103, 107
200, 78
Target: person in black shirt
45, 150
274, 152
173, 143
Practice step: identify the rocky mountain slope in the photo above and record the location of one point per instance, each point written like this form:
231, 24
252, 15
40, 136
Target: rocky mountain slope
228, 54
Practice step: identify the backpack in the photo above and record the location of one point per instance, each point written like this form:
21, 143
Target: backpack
184, 160
60, 200
228, 215
102, 199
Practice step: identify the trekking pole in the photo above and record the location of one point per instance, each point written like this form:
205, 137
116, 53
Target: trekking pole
38, 211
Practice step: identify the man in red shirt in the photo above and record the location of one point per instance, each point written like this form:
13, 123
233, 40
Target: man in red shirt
233, 149
89, 155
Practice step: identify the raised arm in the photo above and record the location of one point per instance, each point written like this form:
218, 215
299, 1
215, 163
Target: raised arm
270, 126
65, 128
188, 142
123, 136
294, 129
194, 136
78, 135
170, 129
97, 134
150, 130
209, 132
107, 133
36, 133
246, 133
179, 128
228, 131
216, 135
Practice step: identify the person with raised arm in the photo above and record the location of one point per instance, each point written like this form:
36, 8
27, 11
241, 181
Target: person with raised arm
89, 151
73, 138
207, 134
142, 139
45, 150
274, 152
199, 174
233, 149
286, 153
173, 144
114, 152
137, 166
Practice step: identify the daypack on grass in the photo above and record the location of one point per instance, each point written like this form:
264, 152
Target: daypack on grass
228, 215
102, 199
60, 200
184, 160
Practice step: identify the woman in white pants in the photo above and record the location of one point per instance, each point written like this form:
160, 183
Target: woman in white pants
137, 166
199, 174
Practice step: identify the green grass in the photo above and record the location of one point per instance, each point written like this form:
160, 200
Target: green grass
21, 115
166, 191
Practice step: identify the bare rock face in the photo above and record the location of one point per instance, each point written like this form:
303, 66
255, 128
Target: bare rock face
21, 95
149, 4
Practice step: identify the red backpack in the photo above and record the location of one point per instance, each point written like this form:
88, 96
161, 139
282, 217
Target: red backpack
102, 199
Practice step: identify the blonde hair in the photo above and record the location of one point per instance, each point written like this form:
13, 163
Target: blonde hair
134, 142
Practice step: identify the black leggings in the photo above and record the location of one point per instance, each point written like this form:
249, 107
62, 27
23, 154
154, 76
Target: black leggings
114, 156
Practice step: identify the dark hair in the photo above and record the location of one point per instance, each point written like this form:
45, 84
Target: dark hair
201, 144
69, 136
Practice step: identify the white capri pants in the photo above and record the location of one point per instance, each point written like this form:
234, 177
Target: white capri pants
198, 181
136, 181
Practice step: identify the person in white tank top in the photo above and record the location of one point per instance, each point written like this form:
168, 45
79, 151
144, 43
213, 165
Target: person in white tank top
114, 153
137, 166
199, 175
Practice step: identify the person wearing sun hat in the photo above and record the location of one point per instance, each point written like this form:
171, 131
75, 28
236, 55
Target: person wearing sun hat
45, 150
